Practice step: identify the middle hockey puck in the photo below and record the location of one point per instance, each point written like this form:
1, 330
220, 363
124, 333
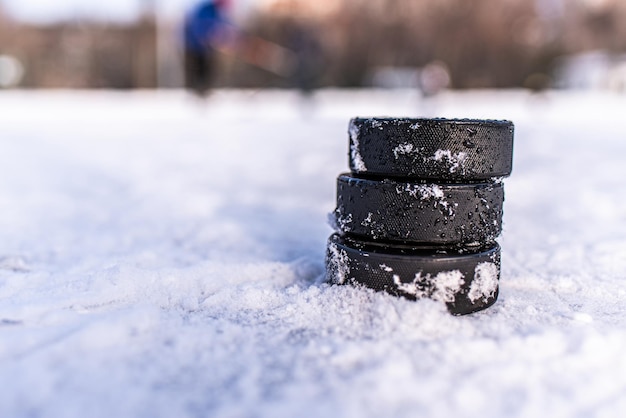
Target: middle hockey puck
412, 212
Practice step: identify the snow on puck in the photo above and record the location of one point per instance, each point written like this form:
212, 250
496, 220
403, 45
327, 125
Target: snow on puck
466, 281
437, 149
401, 211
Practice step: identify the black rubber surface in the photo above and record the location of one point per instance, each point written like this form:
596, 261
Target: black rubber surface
437, 149
398, 211
465, 281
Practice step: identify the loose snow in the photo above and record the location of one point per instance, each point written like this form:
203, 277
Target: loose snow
386, 268
337, 264
446, 285
355, 153
404, 149
368, 220
377, 124
343, 222
162, 257
441, 288
454, 161
422, 191
429, 192
485, 282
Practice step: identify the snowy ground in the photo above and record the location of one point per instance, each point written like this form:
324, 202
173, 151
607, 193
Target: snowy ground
160, 258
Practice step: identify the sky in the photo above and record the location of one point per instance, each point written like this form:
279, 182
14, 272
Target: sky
44, 11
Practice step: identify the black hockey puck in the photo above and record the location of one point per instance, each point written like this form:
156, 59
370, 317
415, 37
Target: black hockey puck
466, 281
437, 149
400, 211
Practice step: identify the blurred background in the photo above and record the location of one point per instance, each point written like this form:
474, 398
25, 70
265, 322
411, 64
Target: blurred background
421, 44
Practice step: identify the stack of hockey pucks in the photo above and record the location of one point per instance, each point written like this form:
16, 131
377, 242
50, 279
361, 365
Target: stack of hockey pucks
419, 214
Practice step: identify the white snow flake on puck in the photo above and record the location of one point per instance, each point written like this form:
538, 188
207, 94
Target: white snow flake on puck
338, 263
485, 282
404, 149
443, 287
359, 164
446, 285
455, 161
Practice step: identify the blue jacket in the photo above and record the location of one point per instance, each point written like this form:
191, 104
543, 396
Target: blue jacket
201, 25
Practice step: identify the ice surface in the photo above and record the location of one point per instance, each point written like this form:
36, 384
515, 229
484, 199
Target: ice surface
162, 258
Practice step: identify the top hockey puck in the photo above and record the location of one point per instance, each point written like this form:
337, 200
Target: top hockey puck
431, 149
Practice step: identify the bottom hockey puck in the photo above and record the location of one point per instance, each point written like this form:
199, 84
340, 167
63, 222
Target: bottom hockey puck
465, 280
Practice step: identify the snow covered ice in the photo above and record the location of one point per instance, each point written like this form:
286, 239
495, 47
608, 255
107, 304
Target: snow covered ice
160, 258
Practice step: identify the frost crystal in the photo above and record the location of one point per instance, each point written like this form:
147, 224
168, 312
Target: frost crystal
404, 149
338, 264
343, 221
376, 229
412, 288
485, 282
455, 161
446, 285
386, 268
359, 164
443, 287
428, 192
415, 126
423, 192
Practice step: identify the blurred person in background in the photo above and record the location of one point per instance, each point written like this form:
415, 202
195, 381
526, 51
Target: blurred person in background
206, 29
307, 56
